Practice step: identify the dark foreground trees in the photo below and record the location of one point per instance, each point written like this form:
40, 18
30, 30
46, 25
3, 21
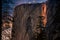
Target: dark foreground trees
53, 20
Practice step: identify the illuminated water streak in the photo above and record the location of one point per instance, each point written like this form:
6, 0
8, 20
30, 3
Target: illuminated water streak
44, 14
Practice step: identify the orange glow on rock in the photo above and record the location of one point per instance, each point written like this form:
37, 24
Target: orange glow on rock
44, 14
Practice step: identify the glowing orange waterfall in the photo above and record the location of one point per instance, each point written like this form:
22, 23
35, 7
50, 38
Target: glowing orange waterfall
44, 14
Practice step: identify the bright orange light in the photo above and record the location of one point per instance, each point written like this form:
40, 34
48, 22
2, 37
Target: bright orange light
44, 14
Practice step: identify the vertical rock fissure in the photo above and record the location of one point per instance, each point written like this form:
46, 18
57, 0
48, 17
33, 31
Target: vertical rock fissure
29, 28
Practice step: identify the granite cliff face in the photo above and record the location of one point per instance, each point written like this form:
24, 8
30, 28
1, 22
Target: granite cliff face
26, 20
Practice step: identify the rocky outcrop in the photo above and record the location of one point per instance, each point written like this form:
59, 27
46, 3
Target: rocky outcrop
7, 22
26, 20
6, 34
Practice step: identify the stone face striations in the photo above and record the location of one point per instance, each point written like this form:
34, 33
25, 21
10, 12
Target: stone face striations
23, 29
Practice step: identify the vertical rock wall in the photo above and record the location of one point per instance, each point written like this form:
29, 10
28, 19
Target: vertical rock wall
21, 30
